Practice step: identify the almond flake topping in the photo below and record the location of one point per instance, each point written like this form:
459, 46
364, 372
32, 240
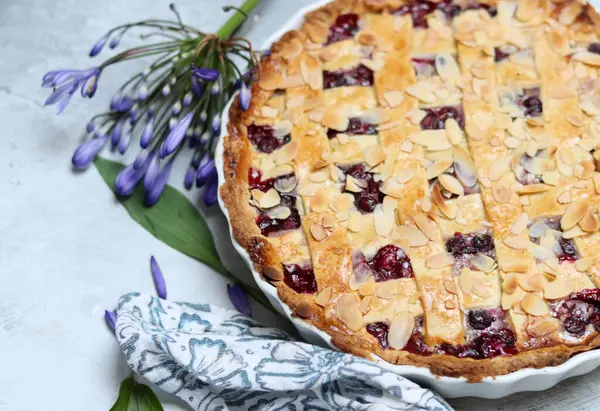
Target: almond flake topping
589, 223
500, 166
573, 214
355, 221
405, 175
509, 284
348, 311
533, 189
465, 281
450, 210
422, 92
273, 273
520, 224
534, 305
440, 260
437, 168
451, 184
450, 286
559, 288
584, 264
526, 10
393, 98
447, 68
426, 226
318, 232
324, 296
412, 235
400, 330
455, 134
587, 57
374, 155
287, 153
384, 222
519, 242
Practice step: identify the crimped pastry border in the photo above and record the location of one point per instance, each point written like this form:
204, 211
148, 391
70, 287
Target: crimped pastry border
237, 159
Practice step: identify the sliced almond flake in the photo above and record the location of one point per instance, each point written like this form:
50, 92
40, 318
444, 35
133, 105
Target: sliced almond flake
437, 168
533, 189
405, 175
573, 232
336, 119
440, 260
559, 288
407, 147
451, 184
586, 57
319, 202
426, 226
400, 330
449, 305
353, 185
447, 68
564, 197
448, 209
589, 223
267, 200
500, 166
387, 293
450, 286
355, 222
273, 273
319, 176
271, 112
421, 92
426, 205
584, 264
287, 153
509, 284
348, 311
324, 296
393, 98
368, 288
303, 308
415, 116
318, 232
343, 138
328, 221
511, 142
364, 305
455, 134
373, 64
519, 242
433, 140
534, 305
465, 281
573, 214
280, 213
413, 235
312, 104
343, 202
375, 115
384, 222
501, 193
389, 204
575, 121
550, 177
374, 155
484, 263
520, 224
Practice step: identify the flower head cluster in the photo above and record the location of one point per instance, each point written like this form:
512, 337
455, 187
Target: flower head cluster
173, 105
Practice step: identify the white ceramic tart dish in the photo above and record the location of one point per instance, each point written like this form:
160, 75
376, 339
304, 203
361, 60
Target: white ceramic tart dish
417, 183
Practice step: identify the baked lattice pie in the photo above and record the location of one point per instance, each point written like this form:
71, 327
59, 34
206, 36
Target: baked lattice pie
420, 180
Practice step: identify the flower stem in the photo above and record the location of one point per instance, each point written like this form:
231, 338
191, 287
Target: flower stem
237, 19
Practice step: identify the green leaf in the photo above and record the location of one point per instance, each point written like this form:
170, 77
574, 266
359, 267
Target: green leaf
173, 220
176, 222
134, 396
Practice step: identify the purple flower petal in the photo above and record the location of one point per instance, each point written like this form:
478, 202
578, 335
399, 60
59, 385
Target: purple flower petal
151, 174
90, 127
239, 298
206, 172
111, 318
216, 124
115, 40
205, 74
176, 135
87, 151
64, 103
245, 97
60, 93
128, 178
159, 279
187, 99
190, 174
196, 86
123, 104
88, 88
210, 192
117, 132
124, 143
141, 159
98, 46
153, 195
147, 134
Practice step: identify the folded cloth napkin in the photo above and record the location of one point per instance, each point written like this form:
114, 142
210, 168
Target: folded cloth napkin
218, 359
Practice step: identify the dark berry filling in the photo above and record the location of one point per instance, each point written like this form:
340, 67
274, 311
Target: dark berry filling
380, 331
360, 75
490, 343
436, 117
527, 176
500, 55
594, 48
264, 138
564, 249
390, 263
268, 225
344, 27
530, 101
578, 310
370, 196
492, 11
355, 126
424, 66
473, 243
300, 278
420, 9
479, 319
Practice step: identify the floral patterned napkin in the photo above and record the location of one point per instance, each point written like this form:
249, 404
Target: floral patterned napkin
218, 359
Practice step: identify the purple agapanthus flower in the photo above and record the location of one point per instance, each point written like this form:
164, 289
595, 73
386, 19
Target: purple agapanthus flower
66, 82
111, 318
115, 40
153, 195
190, 175
117, 133
129, 177
97, 48
210, 192
141, 158
159, 279
196, 86
151, 173
87, 151
124, 142
176, 135
146, 136
244, 97
90, 127
239, 298
205, 74
121, 104
216, 125
206, 172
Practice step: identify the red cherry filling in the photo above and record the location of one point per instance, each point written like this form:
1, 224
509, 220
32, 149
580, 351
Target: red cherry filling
530, 101
355, 126
472, 243
380, 331
415, 344
499, 55
578, 310
564, 249
360, 75
344, 27
370, 196
264, 139
391, 263
479, 319
300, 279
424, 66
490, 343
594, 48
420, 9
436, 117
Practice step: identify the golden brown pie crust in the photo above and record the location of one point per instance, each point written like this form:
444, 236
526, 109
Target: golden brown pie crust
238, 157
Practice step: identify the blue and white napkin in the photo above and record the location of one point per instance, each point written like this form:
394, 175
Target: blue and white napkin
218, 359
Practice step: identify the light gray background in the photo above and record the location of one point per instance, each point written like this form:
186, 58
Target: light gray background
67, 249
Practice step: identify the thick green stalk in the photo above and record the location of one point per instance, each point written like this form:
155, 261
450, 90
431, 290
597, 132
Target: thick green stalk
237, 19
